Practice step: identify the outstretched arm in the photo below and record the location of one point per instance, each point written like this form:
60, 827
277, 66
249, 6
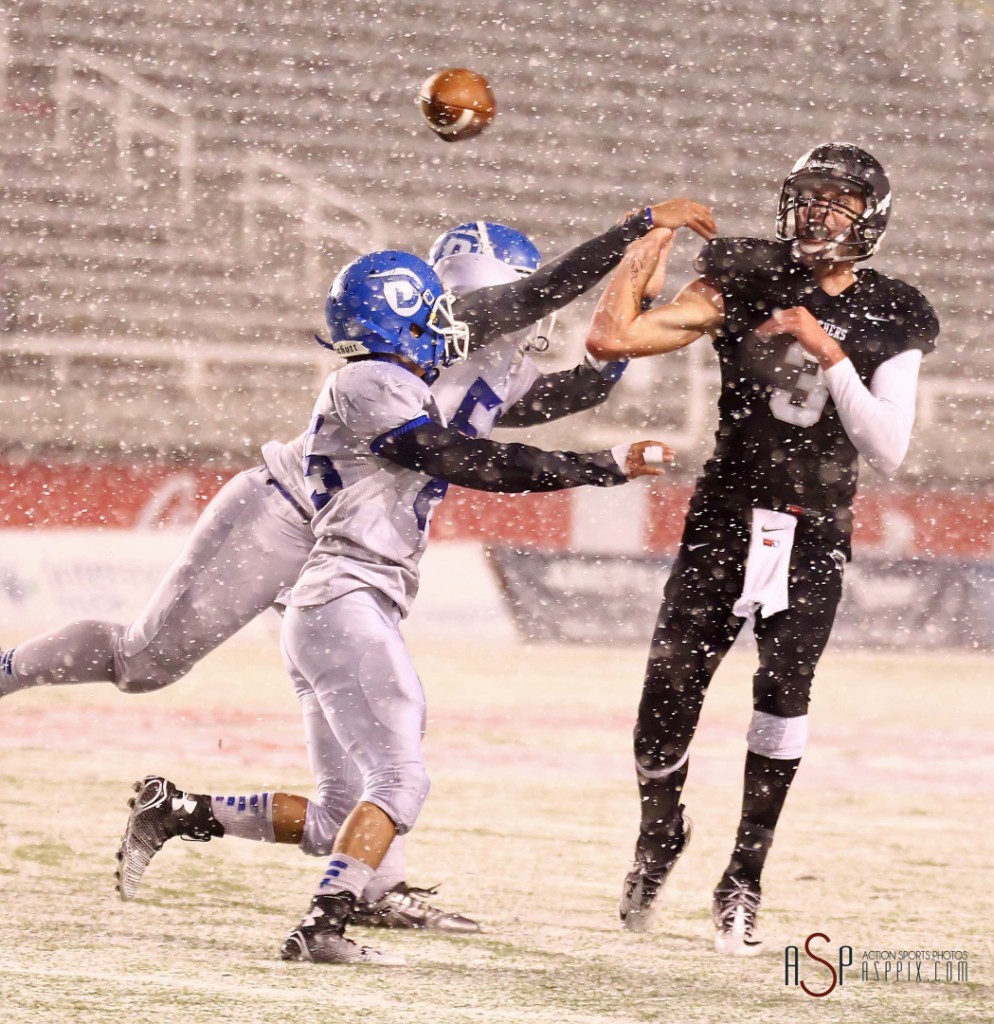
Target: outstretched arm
504, 309
485, 465
555, 395
620, 328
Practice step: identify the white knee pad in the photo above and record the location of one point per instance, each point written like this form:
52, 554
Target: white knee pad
399, 791
144, 674
781, 738
661, 773
320, 829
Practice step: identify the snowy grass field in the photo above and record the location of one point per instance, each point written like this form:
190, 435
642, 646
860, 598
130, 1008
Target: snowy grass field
887, 843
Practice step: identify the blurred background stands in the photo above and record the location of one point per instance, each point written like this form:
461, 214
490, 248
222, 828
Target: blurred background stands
182, 180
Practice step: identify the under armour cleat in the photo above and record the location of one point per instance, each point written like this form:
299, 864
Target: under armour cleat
734, 912
320, 937
655, 856
405, 906
159, 812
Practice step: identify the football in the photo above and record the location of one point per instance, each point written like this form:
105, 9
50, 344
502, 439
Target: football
457, 103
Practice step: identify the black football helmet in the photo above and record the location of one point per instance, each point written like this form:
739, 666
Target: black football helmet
853, 169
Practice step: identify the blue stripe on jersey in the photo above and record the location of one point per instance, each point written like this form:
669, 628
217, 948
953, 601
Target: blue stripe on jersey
404, 428
290, 498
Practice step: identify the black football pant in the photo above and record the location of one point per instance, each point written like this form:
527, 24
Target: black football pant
696, 627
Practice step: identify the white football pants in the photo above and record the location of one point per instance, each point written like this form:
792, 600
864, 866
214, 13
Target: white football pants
248, 544
363, 709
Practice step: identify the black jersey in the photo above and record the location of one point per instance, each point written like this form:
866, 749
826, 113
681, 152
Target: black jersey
780, 441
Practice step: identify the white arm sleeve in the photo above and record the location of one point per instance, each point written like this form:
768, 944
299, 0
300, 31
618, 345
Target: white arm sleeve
878, 419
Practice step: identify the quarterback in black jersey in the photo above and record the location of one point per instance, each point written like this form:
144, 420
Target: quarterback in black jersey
819, 364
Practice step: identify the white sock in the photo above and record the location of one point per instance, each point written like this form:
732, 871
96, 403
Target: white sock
247, 817
344, 874
389, 874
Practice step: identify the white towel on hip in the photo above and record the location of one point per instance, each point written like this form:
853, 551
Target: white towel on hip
771, 538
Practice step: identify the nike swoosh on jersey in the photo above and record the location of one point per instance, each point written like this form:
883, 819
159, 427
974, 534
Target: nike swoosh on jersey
694, 547
771, 529
878, 319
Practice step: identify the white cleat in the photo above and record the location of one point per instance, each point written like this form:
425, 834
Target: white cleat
654, 860
332, 948
734, 913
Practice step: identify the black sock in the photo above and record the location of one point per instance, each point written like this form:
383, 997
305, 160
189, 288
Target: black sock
767, 781
660, 800
334, 909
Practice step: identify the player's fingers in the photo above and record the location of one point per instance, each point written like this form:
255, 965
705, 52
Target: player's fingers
647, 454
657, 281
707, 229
703, 222
768, 328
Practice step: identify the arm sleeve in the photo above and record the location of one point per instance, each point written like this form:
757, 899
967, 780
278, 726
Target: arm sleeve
555, 395
486, 465
878, 419
504, 309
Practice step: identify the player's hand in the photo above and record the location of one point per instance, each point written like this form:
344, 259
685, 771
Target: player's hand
685, 213
801, 325
644, 263
663, 242
648, 458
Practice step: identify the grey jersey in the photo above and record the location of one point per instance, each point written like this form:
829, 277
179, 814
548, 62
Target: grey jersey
476, 392
285, 462
371, 516
471, 396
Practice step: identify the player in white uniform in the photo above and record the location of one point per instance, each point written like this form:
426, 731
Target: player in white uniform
377, 459
255, 535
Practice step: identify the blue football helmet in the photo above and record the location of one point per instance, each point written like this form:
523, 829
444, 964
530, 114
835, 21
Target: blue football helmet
479, 254
393, 303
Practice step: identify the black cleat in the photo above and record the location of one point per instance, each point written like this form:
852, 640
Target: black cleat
159, 812
736, 906
320, 937
405, 906
655, 856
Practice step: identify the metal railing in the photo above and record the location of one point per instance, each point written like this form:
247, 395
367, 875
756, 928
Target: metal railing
137, 109
325, 213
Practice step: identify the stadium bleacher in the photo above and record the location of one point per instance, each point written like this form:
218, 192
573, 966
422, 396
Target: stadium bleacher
141, 271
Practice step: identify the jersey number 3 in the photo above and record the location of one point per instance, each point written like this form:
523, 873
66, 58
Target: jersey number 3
804, 400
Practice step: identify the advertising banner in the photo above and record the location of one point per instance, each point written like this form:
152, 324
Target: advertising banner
609, 599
